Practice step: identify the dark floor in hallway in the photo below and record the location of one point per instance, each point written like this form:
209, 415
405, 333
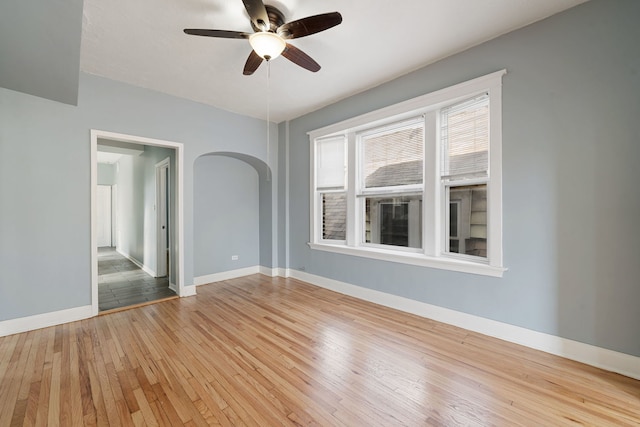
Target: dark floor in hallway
122, 283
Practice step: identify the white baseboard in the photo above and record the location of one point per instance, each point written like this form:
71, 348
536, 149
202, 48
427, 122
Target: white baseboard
273, 272
29, 323
609, 360
241, 272
140, 265
188, 291
226, 275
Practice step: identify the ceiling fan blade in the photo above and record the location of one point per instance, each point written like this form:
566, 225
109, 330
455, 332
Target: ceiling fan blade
258, 14
217, 33
253, 62
300, 58
309, 25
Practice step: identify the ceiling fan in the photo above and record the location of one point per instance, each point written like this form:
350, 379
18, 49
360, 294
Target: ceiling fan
271, 33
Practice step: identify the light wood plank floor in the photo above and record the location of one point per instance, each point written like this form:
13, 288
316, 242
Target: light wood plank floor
266, 352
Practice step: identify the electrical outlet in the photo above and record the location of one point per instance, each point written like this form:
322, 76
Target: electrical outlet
234, 257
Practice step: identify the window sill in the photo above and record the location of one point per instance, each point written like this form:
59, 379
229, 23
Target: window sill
413, 259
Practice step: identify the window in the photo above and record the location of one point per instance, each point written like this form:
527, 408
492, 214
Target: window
418, 182
391, 183
331, 187
464, 139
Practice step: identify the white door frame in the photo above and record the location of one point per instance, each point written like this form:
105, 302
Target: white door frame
163, 217
178, 213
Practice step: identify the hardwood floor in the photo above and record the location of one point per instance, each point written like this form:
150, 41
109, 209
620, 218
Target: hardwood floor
265, 352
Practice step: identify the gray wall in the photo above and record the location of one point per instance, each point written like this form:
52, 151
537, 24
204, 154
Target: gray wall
136, 198
45, 242
571, 203
283, 199
130, 207
106, 173
226, 214
571, 148
40, 47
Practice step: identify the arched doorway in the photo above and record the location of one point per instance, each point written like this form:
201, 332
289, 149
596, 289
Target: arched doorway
233, 230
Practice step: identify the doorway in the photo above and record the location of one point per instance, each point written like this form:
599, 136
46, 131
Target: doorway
135, 270
162, 245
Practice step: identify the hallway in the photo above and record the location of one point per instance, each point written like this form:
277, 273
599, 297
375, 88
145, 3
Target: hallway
121, 283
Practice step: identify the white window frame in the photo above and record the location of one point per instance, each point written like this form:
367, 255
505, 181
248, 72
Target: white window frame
434, 205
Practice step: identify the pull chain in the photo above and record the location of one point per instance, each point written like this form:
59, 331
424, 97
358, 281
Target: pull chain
268, 118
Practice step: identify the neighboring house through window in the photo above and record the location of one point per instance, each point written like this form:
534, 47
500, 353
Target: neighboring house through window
419, 182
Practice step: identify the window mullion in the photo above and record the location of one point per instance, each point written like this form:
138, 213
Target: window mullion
353, 222
494, 220
431, 197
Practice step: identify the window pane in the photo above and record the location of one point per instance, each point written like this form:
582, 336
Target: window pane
468, 217
334, 216
465, 138
331, 163
394, 221
394, 155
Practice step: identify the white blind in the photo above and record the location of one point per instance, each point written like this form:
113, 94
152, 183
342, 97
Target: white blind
465, 138
393, 154
331, 159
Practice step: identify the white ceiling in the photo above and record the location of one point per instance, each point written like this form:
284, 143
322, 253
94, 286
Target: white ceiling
141, 42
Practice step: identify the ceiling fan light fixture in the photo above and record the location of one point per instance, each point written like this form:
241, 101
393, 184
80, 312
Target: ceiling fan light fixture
267, 45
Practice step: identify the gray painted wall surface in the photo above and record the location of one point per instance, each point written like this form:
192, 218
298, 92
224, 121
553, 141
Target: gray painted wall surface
283, 220
40, 47
571, 203
45, 229
571, 148
106, 174
267, 190
226, 215
130, 207
267, 240
136, 179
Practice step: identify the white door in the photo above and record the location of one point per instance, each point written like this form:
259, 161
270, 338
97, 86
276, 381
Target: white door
104, 215
162, 200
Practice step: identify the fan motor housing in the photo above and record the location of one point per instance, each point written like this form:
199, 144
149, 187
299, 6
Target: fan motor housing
276, 18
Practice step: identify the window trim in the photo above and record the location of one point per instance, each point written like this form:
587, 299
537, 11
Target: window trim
433, 253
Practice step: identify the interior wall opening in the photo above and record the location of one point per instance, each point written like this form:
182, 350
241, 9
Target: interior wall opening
136, 222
